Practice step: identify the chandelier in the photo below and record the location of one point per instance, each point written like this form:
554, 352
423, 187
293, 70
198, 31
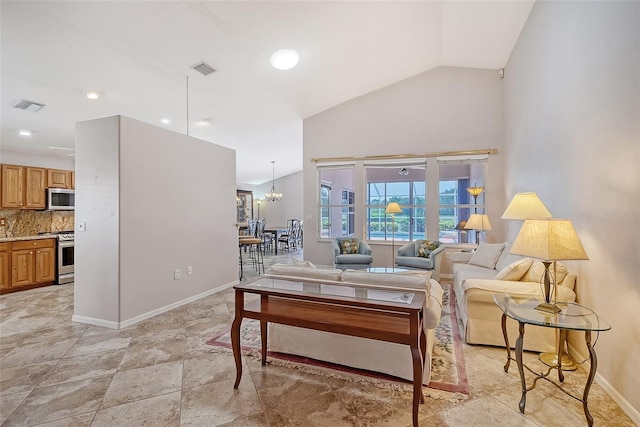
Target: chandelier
273, 196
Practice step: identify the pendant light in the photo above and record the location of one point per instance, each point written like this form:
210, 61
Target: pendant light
273, 196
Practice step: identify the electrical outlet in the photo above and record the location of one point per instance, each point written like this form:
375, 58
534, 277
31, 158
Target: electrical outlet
3, 222
82, 225
189, 271
176, 274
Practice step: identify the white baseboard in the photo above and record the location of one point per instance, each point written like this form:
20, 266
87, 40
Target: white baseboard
621, 401
612, 392
94, 321
152, 313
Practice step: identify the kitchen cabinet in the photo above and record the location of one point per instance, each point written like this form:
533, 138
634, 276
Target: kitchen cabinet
57, 178
32, 262
5, 265
23, 187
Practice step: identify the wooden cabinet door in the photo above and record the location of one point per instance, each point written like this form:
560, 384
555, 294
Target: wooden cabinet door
58, 178
5, 262
45, 268
73, 179
22, 267
12, 186
35, 197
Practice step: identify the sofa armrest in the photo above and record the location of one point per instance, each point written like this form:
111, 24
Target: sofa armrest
364, 248
408, 249
335, 247
434, 306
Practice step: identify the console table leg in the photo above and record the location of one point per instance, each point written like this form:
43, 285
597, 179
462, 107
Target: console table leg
592, 374
506, 342
417, 382
263, 341
519, 343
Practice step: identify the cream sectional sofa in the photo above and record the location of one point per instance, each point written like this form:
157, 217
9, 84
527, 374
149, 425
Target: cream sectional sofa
362, 353
491, 269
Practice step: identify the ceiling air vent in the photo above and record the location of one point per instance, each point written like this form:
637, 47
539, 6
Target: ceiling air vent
204, 69
27, 105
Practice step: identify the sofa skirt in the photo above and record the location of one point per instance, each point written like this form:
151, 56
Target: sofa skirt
361, 353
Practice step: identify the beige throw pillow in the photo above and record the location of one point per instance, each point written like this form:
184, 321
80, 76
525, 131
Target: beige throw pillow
515, 271
536, 272
301, 263
487, 254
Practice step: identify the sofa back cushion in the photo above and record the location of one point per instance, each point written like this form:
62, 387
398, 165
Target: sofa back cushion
293, 271
515, 271
487, 255
507, 258
418, 280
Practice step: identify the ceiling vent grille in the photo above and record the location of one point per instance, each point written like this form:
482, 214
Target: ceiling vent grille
27, 105
204, 69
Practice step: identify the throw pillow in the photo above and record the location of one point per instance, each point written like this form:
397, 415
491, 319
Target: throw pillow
349, 246
426, 247
515, 271
487, 255
536, 272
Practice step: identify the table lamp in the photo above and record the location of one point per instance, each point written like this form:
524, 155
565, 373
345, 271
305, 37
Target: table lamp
463, 232
393, 208
478, 222
549, 240
526, 206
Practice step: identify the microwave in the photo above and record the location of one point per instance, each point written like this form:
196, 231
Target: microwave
60, 199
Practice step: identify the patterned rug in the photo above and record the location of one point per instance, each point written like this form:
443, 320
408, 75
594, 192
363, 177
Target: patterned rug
448, 372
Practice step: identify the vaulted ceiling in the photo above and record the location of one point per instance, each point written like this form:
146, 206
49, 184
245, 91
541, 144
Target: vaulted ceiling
139, 55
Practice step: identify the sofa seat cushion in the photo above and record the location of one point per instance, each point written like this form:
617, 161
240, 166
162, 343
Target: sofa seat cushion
354, 259
485, 272
481, 290
415, 262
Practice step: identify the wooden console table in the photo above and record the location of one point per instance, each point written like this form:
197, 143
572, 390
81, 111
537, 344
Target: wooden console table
392, 316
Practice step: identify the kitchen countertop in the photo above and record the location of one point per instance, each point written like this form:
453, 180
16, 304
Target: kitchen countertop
37, 237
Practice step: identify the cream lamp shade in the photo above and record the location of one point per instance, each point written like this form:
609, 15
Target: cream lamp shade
549, 240
393, 208
526, 206
478, 222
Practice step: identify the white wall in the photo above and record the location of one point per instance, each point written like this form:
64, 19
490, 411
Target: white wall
572, 131
27, 159
97, 266
277, 213
445, 109
151, 198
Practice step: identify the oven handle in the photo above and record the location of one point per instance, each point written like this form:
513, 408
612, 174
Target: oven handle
66, 244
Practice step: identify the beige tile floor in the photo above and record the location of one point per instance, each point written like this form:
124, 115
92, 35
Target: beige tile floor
54, 372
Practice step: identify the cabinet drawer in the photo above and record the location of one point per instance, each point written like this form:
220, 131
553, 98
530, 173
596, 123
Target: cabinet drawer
29, 244
5, 246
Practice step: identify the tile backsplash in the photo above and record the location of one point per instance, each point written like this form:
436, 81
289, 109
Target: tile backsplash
24, 222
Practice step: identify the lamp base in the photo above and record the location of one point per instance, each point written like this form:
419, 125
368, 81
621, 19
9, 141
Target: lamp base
551, 359
548, 307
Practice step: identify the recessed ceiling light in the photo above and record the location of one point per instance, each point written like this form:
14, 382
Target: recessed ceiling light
165, 121
25, 132
284, 59
92, 94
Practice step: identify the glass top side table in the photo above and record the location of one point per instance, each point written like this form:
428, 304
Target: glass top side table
572, 316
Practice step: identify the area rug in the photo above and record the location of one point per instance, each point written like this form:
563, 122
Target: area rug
448, 371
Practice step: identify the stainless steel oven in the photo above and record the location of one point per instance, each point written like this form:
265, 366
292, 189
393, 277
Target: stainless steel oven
65, 257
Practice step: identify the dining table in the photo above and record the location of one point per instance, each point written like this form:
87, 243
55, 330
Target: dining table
277, 230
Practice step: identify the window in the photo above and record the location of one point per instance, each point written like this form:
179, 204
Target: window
404, 184
337, 208
456, 204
